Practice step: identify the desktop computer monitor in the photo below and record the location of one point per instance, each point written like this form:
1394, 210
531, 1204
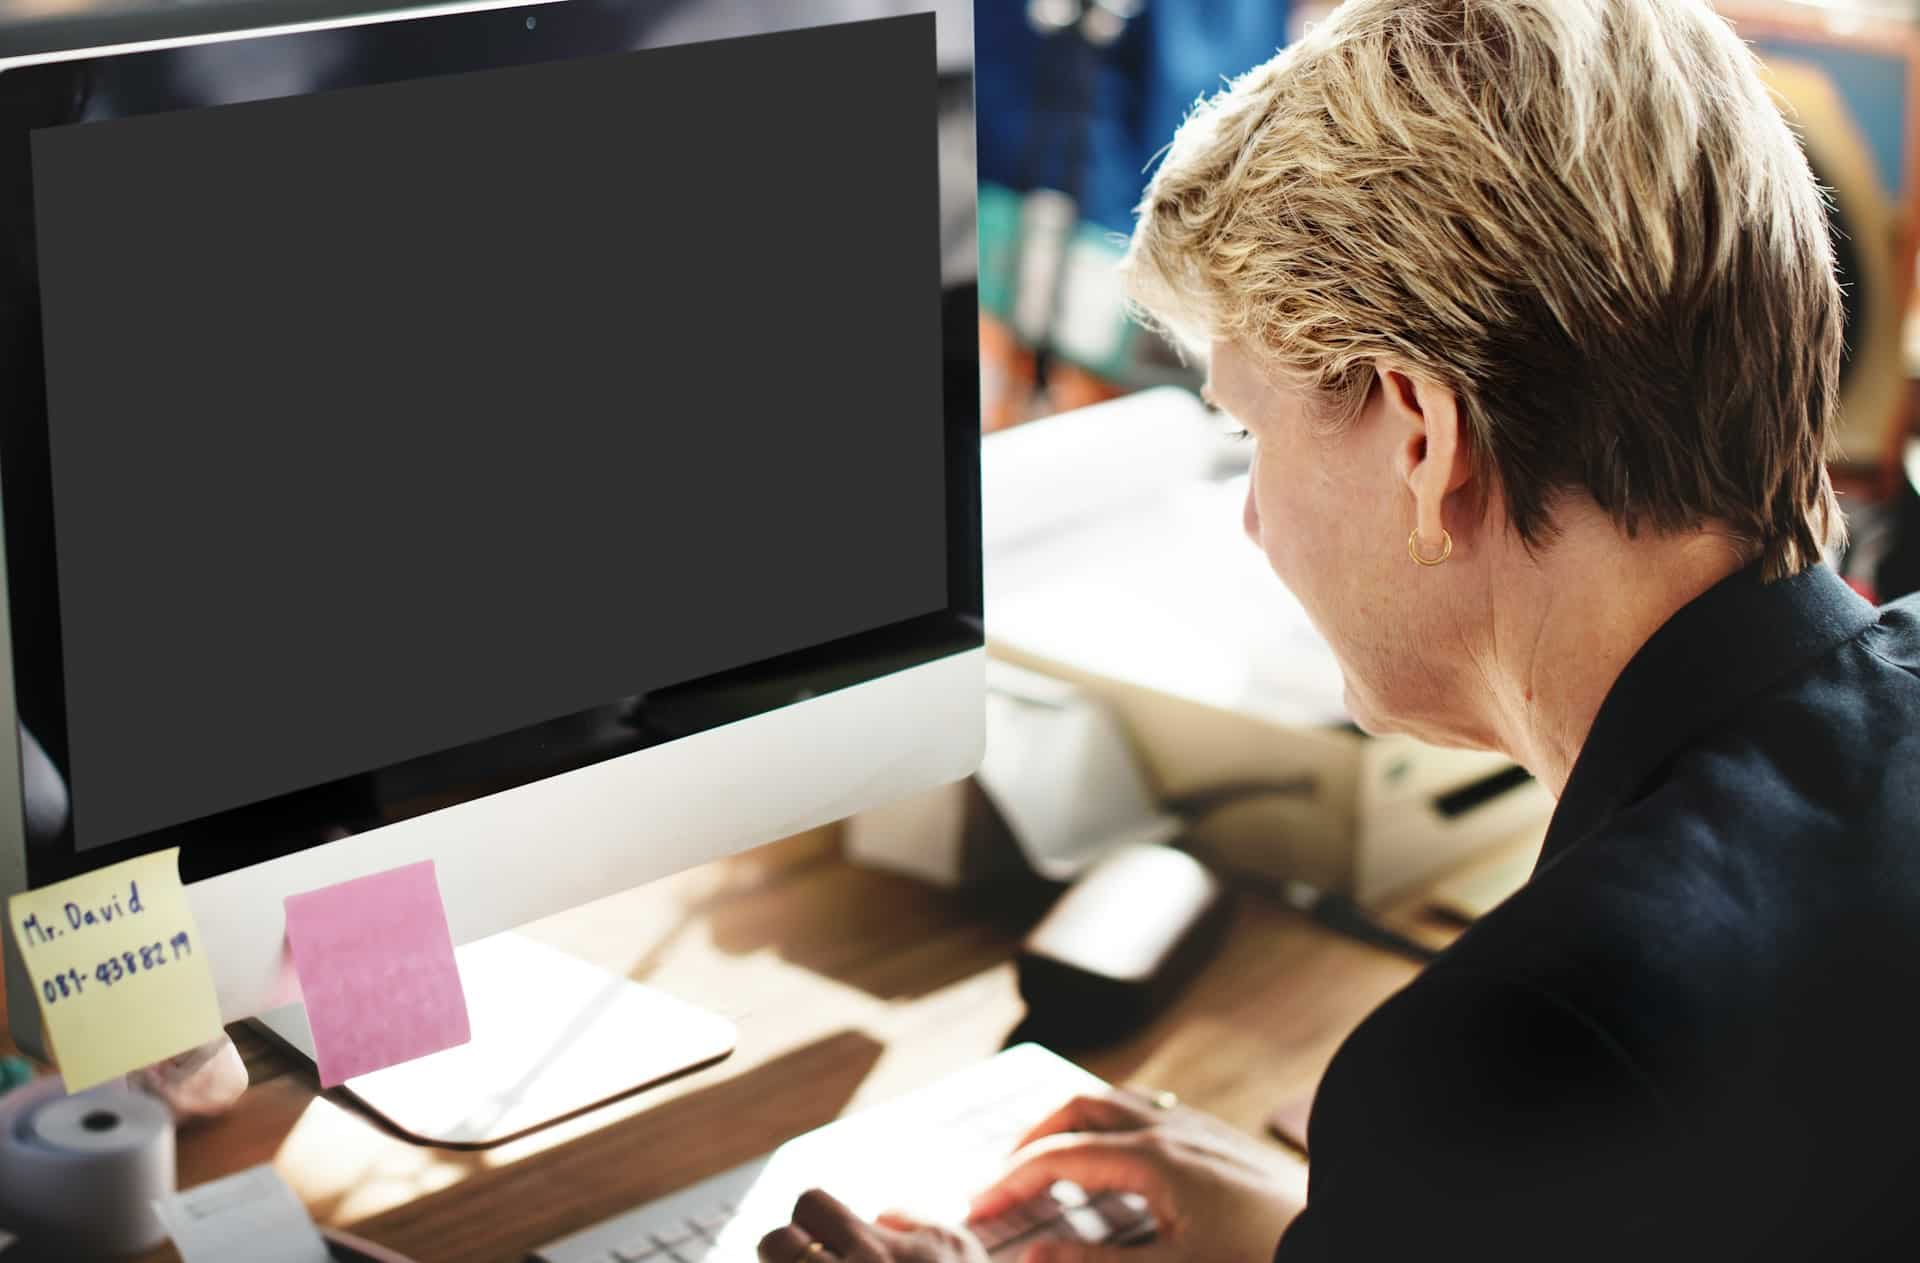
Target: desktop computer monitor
536, 438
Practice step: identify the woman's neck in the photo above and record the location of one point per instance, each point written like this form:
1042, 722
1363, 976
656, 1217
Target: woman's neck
1577, 614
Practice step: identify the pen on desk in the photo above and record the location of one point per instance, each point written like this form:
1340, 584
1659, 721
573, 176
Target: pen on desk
1341, 914
1330, 908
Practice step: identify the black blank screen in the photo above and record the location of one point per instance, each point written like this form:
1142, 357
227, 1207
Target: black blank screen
389, 419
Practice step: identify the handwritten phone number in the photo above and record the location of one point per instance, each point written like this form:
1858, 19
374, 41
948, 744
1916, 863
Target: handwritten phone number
72, 983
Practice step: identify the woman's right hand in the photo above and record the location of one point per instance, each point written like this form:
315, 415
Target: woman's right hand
1215, 1192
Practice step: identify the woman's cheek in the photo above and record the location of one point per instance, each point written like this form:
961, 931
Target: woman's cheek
1250, 513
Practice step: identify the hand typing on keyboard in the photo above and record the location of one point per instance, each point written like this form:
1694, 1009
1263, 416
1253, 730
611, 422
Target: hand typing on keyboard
822, 1226
1203, 1190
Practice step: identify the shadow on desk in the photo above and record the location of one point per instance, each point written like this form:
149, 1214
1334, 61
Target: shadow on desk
888, 936
499, 1213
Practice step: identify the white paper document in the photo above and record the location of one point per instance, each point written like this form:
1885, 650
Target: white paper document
1112, 544
1169, 595
252, 1217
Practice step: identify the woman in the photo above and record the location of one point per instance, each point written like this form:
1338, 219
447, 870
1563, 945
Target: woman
1528, 308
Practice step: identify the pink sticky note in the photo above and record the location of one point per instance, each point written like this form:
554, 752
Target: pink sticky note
376, 968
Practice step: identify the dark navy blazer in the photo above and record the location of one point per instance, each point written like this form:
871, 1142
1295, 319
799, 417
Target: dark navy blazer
1695, 1033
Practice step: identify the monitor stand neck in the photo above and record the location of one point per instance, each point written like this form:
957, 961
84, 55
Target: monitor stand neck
553, 1036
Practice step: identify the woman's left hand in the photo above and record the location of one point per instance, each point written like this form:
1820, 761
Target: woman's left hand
843, 1237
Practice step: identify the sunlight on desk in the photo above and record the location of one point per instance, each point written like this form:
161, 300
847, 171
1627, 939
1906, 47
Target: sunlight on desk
328, 1161
850, 989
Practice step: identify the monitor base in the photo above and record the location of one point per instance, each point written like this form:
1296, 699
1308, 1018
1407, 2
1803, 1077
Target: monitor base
553, 1036
345, 1248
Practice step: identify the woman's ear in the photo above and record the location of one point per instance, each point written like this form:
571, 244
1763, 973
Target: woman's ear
1432, 454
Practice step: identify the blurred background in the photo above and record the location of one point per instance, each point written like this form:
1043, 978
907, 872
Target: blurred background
1075, 99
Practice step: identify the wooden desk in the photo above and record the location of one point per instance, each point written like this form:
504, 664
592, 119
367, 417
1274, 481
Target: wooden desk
849, 987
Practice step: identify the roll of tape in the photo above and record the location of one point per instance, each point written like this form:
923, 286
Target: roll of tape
81, 1171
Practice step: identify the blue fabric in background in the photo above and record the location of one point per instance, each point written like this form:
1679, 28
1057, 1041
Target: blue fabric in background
1874, 86
1137, 91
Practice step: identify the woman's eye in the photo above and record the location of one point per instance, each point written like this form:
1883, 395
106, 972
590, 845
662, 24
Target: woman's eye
1238, 434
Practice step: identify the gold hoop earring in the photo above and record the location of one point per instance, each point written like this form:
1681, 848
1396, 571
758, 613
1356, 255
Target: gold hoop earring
1446, 547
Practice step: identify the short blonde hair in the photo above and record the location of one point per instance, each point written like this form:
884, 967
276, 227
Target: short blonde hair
1587, 217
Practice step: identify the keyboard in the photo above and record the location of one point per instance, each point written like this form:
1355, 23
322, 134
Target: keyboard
925, 1154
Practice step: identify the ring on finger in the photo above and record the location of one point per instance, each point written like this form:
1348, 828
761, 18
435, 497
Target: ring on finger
815, 1252
1161, 1100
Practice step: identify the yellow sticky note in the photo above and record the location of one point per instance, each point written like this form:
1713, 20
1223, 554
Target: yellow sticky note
119, 968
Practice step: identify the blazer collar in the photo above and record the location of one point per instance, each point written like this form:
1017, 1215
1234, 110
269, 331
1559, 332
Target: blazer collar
1731, 643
